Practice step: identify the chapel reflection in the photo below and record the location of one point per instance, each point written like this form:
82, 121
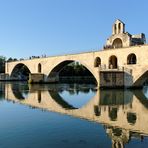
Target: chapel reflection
124, 115
120, 137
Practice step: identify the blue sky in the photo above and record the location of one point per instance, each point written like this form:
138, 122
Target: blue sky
56, 27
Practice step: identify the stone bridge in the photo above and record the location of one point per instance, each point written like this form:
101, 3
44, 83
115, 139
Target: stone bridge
132, 61
51, 66
122, 110
122, 63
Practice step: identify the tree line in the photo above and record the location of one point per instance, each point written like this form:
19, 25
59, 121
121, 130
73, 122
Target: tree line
3, 60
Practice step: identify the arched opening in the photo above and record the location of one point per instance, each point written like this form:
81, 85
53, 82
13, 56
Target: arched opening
97, 62
20, 72
131, 59
119, 28
113, 62
115, 29
117, 43
70, 71
39, 68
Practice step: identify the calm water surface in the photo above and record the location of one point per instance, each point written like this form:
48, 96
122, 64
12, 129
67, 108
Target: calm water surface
72, 116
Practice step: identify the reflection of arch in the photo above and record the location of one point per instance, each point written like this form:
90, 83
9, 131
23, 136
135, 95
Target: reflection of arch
20, 91
56, 70
20, 72
60, 100
131, 59
113, 62
97, 62
117, 43
39, 68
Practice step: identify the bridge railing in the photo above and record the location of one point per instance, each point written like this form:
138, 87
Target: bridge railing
110, 68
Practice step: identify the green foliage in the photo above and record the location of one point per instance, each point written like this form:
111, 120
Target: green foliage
2, 64
11, 59
75, 69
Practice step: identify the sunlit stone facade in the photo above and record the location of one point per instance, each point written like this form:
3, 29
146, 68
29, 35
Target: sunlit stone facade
120, 38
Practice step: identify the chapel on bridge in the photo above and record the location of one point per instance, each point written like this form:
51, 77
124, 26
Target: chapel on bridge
120, 38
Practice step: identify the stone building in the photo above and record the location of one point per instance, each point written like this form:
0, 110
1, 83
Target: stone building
120, 38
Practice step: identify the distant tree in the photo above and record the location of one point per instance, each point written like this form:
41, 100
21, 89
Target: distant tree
2, 64
11, 59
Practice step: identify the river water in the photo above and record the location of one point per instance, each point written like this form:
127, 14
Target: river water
72, 116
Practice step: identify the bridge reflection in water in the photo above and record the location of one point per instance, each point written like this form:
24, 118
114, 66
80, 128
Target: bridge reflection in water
123, 113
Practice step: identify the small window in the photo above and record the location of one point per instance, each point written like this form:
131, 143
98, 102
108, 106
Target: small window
97, 62
39, 68
131, 59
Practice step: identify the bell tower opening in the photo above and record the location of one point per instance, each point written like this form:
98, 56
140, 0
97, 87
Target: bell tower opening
118, 27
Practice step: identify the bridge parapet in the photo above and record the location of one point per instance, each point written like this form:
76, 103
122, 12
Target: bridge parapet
119, 68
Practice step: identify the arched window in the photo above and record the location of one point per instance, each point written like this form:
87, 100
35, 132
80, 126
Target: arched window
97, 62
39, 68
131, 59
117, 43
113, 62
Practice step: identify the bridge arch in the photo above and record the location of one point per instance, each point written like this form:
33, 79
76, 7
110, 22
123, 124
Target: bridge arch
20, 72
58, 68
141, 79
113, 62
97, 62
117, 43
131, 59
